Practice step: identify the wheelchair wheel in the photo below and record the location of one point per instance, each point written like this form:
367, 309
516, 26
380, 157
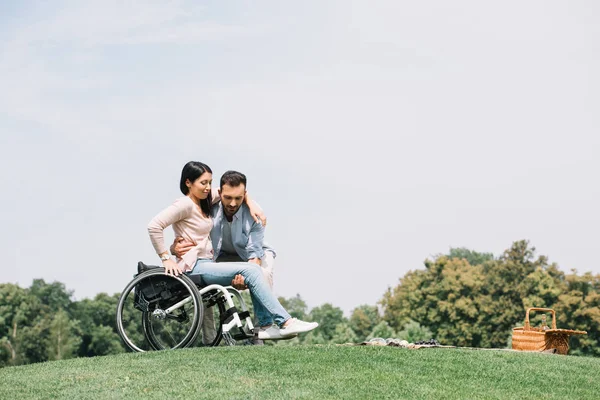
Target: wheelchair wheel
157, 311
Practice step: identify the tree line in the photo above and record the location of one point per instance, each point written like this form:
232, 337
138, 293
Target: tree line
472, 299
462, 298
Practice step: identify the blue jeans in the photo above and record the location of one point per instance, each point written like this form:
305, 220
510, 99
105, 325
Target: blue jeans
266, 306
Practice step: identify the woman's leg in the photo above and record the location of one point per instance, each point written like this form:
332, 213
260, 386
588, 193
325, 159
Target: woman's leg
222, 274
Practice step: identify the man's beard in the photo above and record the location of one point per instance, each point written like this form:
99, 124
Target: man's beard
231, 213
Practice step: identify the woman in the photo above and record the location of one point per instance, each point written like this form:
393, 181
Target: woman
190, 218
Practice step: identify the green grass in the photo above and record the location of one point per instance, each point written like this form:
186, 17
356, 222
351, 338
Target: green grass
308, 372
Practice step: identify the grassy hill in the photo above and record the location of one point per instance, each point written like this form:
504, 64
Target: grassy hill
308, 372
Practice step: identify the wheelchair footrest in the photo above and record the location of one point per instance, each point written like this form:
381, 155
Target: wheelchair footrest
242, 336
244, 314
227, 315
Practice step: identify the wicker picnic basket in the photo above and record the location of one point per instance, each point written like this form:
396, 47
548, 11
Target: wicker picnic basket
528, 338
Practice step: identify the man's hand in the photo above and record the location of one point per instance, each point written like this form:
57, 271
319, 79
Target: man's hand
181, 246
238, 282
254, 261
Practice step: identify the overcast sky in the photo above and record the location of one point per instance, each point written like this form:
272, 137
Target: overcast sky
375, 134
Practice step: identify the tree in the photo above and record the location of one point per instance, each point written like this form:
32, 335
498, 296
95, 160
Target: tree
579, 308
12, 315
63, 340
343, 334
382, 330
328, 318
53, 295
516, 281
296, 306
32, 343
474, 305
472, 257
97, 324
443, 298
104, 341
413, 332
363, 319
314, 337
22, 324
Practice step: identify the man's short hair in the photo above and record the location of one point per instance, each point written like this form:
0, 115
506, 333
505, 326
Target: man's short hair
233, 179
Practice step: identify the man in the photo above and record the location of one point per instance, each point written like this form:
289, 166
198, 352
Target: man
236, 236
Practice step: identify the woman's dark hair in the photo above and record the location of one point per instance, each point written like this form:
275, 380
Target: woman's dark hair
192, 171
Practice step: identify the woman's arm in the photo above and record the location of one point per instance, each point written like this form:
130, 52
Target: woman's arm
181, 209
215, 196
256, 212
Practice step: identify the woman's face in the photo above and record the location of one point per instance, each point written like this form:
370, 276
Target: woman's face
200, 188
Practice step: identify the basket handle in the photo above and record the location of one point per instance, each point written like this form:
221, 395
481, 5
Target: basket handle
527, 326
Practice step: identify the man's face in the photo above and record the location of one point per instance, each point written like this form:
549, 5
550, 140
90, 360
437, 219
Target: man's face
232, 198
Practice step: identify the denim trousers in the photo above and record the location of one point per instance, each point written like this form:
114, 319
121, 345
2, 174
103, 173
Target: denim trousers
266, 264
266, 306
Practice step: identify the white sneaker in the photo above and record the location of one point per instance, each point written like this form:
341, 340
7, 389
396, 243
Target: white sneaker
270, 333
296, 326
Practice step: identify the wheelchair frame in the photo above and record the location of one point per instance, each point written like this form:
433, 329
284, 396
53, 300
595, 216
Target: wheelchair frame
160, 307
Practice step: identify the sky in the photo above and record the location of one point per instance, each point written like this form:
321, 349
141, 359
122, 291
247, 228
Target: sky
374, 134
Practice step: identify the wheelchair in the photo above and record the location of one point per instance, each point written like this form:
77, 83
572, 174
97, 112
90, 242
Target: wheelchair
157, 311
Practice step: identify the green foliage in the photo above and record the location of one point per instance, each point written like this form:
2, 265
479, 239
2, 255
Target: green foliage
63, 340
32, 343
328, 318
53, 295
313, 337
343, 334
478, 304
363, 319
97, 311
295, 306
464, 298
12, 316
382, 330
413, 331
579, 308
97, 325
23, 326
104, 341
41, 323
443, 298
472, 257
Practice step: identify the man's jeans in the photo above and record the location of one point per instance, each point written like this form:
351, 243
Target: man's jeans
266, 306
266, 264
